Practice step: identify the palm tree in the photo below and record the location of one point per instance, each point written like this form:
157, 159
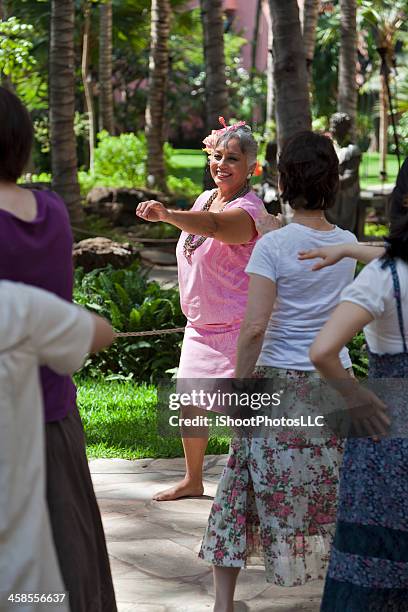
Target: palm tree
216, 92
270, 89
290, 73
254, 48
86, 80
62, 106
347, 86
309, 12
158, 77
386, 17
106, 115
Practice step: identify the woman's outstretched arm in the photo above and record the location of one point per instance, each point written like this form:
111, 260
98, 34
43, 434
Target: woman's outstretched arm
332, 254
232, 226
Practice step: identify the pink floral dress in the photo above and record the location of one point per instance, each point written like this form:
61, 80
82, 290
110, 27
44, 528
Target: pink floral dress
277, 497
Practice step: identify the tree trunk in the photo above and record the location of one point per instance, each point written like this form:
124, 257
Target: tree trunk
309, 15
62, 106
290, 74
270, 93
158, 77
86, 79
383, 139
216, 92
347, 94
106, 115
254, 49
2, 14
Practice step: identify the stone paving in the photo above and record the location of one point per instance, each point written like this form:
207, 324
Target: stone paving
153, 545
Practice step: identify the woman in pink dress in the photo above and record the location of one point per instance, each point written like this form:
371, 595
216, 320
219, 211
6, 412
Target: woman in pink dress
217, 238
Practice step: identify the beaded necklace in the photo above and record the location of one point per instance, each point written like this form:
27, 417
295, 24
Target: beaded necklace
190, 245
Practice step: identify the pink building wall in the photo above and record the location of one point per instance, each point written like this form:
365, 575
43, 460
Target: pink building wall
244, 22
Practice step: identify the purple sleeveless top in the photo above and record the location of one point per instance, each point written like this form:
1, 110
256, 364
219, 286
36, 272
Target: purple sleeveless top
39, 253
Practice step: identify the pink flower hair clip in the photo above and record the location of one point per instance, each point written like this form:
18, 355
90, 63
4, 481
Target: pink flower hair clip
211, 140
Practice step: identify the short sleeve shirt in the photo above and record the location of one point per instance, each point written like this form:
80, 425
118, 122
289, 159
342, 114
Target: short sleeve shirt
39, 253
214, 286
304, 299
373, 290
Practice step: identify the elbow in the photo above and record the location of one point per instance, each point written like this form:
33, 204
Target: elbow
318, 356
254, 332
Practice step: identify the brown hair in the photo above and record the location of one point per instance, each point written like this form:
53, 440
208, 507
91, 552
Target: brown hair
309, 171
16, 136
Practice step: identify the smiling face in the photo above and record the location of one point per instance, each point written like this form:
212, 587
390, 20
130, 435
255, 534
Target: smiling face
229, 167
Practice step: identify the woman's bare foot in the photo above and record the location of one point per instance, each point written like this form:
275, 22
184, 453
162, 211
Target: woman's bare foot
185, 488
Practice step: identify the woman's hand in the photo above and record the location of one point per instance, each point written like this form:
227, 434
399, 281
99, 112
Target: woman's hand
368, 413
268, 223
330, 255
153, 211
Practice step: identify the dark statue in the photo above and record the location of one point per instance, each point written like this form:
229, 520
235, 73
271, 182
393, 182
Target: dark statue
344, 212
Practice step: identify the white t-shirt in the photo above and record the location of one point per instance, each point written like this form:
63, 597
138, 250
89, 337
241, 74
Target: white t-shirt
36, 328
304, 299
373, 289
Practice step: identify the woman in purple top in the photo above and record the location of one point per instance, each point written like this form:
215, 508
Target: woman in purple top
36, 248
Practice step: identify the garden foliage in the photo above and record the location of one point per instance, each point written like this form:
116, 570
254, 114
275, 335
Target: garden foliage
120, 161
132, 303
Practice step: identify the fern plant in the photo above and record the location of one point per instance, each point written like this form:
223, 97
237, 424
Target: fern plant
132, 303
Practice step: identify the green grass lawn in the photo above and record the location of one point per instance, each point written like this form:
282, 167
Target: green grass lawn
190, 163
120, 420
369, 169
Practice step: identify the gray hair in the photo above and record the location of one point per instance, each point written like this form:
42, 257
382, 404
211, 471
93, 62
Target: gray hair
247, 142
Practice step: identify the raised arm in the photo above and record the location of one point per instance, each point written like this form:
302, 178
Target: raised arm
261, 298
232, 226
367, 410
330, 255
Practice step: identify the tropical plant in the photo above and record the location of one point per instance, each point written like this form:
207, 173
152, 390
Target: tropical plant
387, 18
16, 45
132, 303
121, 159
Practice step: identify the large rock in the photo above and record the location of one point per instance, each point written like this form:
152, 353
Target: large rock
99, 252
119, 204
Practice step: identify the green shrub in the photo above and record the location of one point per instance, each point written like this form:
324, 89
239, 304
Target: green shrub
402, 130
120, 160
132, 303
376, 230
358, 355
183, 187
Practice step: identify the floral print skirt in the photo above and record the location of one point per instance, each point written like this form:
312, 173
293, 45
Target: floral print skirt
276, 500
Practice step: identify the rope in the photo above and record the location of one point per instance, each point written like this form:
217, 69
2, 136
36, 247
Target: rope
154, 332
136, 239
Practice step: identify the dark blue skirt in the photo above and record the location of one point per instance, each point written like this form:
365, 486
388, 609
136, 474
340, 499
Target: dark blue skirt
368, 570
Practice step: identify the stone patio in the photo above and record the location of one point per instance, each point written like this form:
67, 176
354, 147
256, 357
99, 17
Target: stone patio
153, 545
